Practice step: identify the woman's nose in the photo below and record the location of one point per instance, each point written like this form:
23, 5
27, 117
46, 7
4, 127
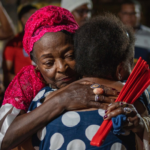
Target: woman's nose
61, 66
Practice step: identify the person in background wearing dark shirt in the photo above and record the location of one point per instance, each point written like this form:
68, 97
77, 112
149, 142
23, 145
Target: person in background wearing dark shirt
130, 15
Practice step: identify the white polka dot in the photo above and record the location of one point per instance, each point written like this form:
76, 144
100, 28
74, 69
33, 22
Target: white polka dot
90, 131
70, 119
41, 134
47, 93
28, 111
38, 104
126, 133
118, 146
76, 145
56, 141
101, 112
36, 148
39, 95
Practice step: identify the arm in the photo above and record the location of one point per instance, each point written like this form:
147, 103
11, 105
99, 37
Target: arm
74, 96
27, 124
7, 27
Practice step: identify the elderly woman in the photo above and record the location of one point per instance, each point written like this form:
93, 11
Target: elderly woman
49, 40
74, 129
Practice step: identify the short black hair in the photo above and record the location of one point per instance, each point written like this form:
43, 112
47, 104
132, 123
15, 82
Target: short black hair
25, 9
100, 45
132, 2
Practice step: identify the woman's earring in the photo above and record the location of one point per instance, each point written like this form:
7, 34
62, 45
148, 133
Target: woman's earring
119, 76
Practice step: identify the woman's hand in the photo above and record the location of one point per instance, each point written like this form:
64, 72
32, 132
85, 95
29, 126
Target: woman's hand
81, 96
134, 121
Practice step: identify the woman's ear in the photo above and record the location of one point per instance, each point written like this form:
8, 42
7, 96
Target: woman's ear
36, 68
123, 71
120, 71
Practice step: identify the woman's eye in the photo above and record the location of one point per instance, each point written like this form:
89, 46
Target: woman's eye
48, 63
70, 56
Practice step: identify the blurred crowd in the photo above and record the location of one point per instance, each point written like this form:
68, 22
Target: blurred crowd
14, 57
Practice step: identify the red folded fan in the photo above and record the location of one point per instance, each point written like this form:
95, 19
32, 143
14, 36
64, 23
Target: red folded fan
137, 82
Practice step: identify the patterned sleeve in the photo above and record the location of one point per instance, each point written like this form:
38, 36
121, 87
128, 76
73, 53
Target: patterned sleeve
18, 96
23, 88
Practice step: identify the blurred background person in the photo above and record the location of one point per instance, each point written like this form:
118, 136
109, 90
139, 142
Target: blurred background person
7, 31
130, 15
14, 56
81, 9
6, 24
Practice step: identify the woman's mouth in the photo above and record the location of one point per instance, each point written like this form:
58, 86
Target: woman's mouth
66, 79
61, 82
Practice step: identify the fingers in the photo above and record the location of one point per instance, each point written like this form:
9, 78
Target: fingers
134, 124
118, 108
114, 113
104, 99
134, 120
93, 104
115, 105
98, 91
105, 91
101, 89
110, 91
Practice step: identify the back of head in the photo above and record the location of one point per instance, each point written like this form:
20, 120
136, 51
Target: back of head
100, 45
73, 4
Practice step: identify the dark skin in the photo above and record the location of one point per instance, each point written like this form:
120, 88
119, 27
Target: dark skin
117, 108
122, 72
55, 60
52, 69
78, 95
137, 123
81, 14
56, 64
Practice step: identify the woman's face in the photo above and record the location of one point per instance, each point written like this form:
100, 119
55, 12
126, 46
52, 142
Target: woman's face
55, 59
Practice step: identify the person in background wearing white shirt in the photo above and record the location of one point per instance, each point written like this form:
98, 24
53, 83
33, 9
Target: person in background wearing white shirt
81, 9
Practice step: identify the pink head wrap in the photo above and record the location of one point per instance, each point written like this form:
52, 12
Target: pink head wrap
47, 19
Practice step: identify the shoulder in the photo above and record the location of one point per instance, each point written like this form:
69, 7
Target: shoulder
143, 31
27, 69
29, 75
26, 73
145, 28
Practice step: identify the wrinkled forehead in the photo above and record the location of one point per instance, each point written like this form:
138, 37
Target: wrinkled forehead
54, 39
57, 37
